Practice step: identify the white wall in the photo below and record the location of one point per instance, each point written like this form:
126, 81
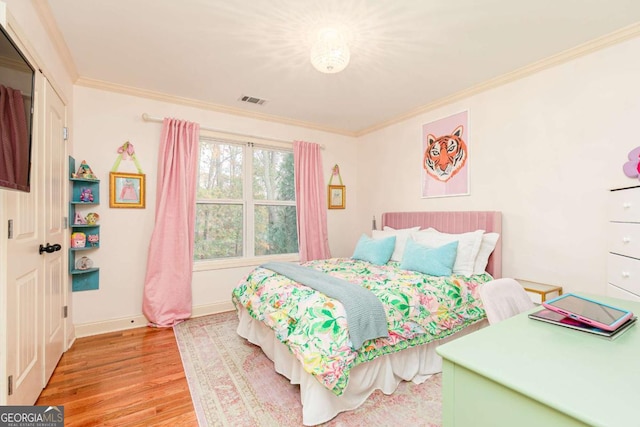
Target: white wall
103, 122
544, 150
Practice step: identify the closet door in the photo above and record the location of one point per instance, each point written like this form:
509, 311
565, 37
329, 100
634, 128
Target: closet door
54, 182
24, 286
36, 291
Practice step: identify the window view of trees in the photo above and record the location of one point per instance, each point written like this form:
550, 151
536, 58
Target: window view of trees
240, 185
276, 229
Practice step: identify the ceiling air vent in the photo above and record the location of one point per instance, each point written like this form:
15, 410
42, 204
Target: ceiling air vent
252, 100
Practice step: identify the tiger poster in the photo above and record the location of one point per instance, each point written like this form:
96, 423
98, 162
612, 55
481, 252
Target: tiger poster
445, 156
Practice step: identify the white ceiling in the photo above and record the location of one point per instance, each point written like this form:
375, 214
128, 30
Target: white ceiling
405, 54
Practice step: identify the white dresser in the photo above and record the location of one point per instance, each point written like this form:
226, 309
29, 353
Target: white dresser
624, 244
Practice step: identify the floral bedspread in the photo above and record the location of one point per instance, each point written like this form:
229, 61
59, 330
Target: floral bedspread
419, 309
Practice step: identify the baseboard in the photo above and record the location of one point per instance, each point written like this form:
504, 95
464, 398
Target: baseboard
114, 325
219, 307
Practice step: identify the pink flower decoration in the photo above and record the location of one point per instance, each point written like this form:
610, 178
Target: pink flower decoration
632, 167
126, 150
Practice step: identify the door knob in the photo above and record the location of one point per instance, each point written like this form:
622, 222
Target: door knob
49, 248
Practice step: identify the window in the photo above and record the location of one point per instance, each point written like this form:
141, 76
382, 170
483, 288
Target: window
245, 201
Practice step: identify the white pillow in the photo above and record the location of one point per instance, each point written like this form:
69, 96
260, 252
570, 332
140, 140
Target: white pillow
489, 241
468, 247
401, 239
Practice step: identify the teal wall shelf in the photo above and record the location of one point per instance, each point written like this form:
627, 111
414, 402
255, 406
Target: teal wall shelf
88, 277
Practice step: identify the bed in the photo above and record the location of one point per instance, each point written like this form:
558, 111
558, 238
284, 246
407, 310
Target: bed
285, 319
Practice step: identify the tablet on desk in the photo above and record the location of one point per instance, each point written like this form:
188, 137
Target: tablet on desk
548, 316
589, 311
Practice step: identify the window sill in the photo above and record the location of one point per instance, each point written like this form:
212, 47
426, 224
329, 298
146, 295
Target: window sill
241, 262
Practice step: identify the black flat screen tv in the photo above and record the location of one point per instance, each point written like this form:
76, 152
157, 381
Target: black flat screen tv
17, 79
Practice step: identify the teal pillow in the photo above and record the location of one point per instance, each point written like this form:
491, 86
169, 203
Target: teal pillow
432, 261
376, 251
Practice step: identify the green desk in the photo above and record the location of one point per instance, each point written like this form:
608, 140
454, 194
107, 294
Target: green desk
523, 372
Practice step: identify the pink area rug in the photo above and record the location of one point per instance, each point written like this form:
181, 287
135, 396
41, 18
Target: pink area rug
233, 383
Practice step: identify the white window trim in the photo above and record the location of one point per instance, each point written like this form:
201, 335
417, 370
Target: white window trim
238, 139
222, 263
248, 244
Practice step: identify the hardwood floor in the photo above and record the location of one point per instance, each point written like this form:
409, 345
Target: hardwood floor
128, 378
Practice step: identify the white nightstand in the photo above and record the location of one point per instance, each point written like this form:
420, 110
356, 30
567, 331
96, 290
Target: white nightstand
540, 292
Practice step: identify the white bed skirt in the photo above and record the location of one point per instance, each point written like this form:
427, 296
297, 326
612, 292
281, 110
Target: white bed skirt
319, 404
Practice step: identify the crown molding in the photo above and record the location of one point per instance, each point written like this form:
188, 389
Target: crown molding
595, 45
159, 96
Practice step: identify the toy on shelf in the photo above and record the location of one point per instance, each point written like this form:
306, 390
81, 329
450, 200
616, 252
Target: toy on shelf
79, 220
93, 239
78, 240
86, 195
92, 218
84, 199
84, 171
84, 263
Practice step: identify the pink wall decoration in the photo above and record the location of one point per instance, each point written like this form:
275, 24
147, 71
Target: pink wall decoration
632, 167
445, 156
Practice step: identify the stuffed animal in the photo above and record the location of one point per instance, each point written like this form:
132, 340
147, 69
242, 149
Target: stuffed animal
86, 195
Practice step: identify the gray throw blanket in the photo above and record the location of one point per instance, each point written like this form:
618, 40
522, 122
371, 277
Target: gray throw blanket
366, 317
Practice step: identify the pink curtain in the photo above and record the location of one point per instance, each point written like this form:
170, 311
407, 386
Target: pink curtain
14, 140
311, 199
167, 286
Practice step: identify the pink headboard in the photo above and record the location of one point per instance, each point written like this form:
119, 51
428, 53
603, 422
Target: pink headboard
454, 222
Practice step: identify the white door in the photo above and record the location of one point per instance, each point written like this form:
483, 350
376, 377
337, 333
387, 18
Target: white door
24, 290
35, 285
24, 284
55, 179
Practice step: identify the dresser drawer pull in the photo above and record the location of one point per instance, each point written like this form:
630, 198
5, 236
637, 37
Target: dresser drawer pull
626, 205
626, 239
625, 274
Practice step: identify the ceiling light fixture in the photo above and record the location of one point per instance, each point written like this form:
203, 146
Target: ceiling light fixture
330, 53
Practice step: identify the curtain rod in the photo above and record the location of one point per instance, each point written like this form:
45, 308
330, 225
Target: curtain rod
148, 118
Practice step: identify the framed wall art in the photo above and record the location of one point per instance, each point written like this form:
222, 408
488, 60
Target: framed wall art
337, 196
126, 190
445, 156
